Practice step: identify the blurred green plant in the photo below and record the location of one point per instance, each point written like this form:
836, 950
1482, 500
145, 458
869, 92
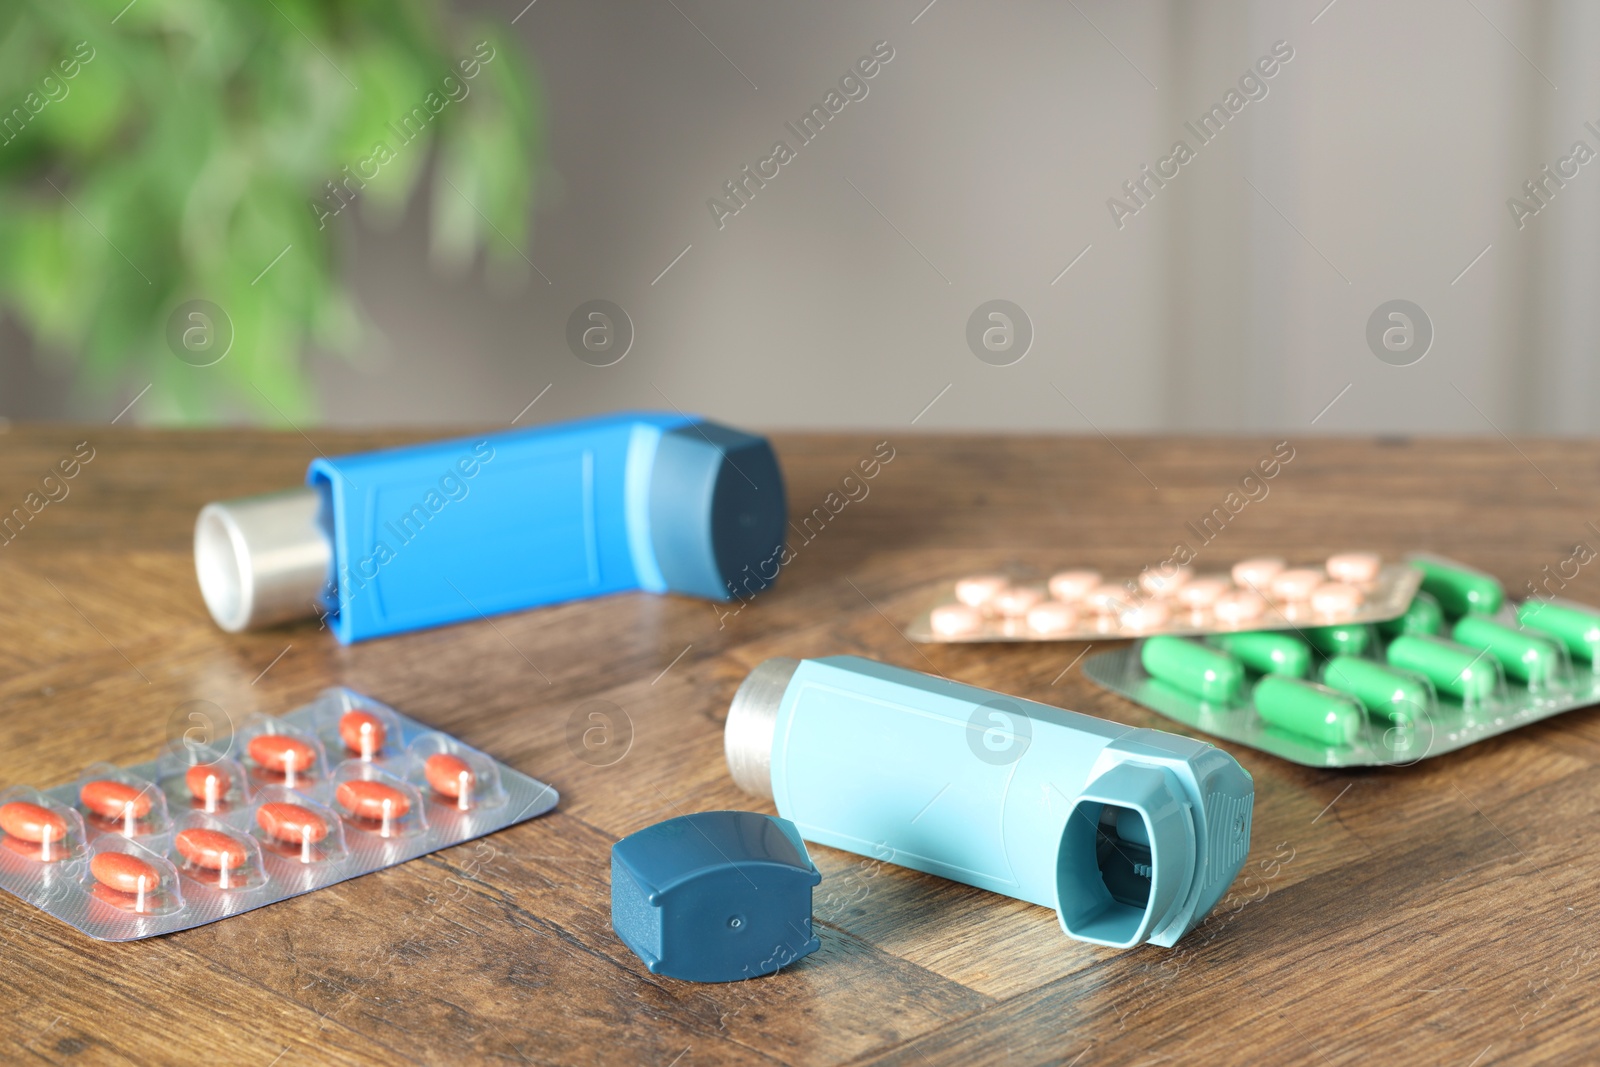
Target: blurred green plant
164, 151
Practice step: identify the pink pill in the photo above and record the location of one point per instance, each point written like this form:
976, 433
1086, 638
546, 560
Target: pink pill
1164, 584
1070, 586
954, 620
976, 591
1296, 585
1238, 606
1257, 573
1201, 593
1051, 617
1106, 599
1335, 598
1147, 616
1015, 601
1358, 568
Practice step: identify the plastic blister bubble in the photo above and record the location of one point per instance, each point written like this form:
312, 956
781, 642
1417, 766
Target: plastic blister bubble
201, 778
113, 800
279, 752
214, 854
371, 800
351, 726
123, 874
452, 775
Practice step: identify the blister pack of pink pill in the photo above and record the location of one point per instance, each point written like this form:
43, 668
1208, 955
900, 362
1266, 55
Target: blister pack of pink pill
285, 805
1169, 598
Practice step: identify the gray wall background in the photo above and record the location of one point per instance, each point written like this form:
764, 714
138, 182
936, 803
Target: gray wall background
978, 166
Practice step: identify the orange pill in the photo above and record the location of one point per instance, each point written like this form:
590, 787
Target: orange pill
211, 849
291, 822
124, 873
448, 774
371, 800
207, 781
31, 822
281, 752
362, 732
111, 799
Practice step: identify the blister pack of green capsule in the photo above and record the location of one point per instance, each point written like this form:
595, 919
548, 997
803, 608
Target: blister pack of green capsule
1460, 665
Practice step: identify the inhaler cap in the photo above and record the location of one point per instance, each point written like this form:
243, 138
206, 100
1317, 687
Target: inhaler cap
717, 896
717, 511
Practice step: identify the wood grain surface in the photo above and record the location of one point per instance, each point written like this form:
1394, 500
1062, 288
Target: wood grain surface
1442, 913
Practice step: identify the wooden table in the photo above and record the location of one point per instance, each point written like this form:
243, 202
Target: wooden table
1441, 913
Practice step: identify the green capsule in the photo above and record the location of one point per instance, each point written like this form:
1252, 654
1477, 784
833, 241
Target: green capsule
1339, 640
1382, 690
1529, 658
1211, 675
1460, 591
1469, 676
1267, 651
1308, 710
1577, 628
1422, 617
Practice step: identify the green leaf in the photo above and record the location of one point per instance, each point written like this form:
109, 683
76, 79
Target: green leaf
212, 150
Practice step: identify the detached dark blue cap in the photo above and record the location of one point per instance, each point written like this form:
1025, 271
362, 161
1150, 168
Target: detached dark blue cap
717, 511
714, 897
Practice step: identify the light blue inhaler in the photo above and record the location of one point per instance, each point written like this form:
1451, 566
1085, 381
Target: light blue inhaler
405, 538
1132, 835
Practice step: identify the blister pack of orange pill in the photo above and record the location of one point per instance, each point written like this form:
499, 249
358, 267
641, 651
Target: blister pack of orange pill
1267, 593
285, 805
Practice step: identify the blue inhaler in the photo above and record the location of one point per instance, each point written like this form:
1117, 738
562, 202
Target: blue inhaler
1132, 835
423, 535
